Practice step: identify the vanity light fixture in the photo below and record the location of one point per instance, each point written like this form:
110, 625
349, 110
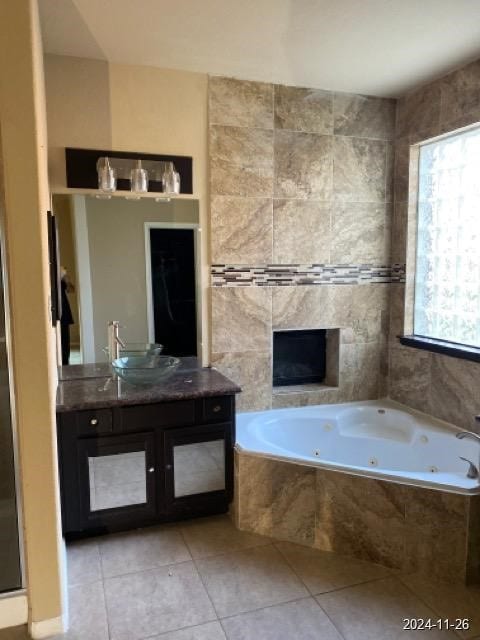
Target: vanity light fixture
139, 173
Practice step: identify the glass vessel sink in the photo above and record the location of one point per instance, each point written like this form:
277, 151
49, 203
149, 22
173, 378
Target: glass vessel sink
145, 369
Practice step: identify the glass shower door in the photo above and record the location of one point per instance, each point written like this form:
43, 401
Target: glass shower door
10, 567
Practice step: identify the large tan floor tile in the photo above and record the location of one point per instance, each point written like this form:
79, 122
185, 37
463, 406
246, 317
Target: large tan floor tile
83, 562
143, 549
248, 580
300, 620
209, 631
151, 602
323, 571
213, 536
449, 600
376, 610
86, 613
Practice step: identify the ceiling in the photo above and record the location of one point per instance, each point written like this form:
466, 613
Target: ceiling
375, 47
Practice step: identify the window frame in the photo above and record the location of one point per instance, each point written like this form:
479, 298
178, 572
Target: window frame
409, 338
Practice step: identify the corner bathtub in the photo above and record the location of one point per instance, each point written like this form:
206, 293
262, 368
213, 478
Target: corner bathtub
376, 439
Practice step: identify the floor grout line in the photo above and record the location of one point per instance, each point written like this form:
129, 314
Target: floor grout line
191, 626
430, 607
321, 593
329, 618
268, 606
200, 576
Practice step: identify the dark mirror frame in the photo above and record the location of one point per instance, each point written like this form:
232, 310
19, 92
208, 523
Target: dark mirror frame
55, 289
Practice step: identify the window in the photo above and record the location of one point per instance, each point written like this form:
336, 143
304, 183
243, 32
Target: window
447, 276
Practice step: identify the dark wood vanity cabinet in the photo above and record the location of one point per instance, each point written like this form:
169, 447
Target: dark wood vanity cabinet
130, 466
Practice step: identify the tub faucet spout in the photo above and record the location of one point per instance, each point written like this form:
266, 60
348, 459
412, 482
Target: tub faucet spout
473, 470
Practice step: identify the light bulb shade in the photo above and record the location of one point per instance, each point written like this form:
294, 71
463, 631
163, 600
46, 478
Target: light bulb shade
139, 179
107, 176
171, 180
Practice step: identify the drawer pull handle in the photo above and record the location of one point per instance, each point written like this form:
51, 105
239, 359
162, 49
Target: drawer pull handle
93, 421
151, 470
217, 408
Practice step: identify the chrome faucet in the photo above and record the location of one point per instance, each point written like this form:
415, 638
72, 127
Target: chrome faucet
114, 340
473, 470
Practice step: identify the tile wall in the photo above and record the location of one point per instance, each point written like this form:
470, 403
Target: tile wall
443, 386
304, 179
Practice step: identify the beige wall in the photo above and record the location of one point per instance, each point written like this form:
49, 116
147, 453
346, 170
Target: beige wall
116, 235
24, 146
443, 386
299, 177
93, 104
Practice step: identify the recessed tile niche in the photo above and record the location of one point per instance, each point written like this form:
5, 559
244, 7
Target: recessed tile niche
305, 358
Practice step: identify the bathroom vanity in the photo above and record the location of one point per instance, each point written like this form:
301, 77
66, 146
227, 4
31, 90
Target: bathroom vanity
133, 456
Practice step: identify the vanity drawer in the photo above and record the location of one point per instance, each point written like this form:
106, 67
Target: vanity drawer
94, 422
164, 414
217, 409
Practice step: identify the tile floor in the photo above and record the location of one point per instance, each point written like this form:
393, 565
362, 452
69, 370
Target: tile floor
204, 580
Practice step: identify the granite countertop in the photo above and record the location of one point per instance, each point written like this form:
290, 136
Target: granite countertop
95, 391
104, 370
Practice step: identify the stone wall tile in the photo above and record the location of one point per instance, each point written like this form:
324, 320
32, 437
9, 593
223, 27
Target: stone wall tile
307, 110
360, 234
410, 377
241, 319
361, 517
240, 103
359, 173
460, 92
241, 161
455, 393
419, 111
241, 230
436, 533
301, 231
276, 499
364, 116
252, 371
303, 165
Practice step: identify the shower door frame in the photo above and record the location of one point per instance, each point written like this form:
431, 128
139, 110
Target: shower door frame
195, 227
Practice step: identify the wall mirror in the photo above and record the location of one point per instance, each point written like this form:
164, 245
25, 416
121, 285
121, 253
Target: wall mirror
135, 261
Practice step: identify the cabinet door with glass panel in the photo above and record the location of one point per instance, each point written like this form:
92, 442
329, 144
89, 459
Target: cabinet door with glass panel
117, 480
198, 468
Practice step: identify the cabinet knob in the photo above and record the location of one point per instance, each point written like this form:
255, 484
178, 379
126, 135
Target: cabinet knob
168, 467
93, 421
217, 408
151, 470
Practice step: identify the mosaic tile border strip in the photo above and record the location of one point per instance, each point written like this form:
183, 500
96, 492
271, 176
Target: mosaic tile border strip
274, 275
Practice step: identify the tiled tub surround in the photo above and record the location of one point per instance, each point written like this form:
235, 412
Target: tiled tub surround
407, 528
357, 479
300, 178
443, 386
411, 529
